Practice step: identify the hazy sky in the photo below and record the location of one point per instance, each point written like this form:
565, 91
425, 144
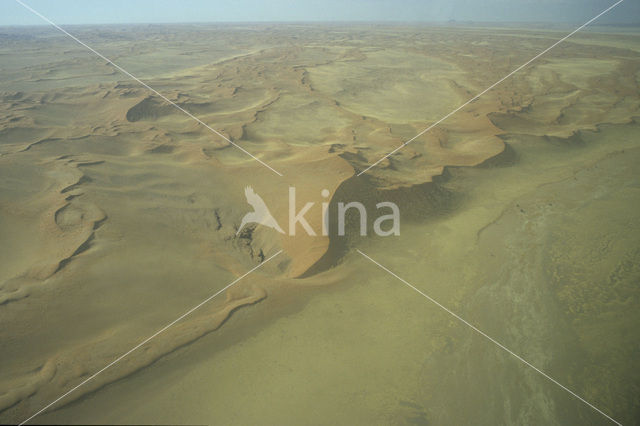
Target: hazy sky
132, 11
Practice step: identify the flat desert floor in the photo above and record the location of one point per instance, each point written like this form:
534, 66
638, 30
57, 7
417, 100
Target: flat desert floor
520, 213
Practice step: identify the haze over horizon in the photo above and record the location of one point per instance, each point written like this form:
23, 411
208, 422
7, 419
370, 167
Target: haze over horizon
70, 12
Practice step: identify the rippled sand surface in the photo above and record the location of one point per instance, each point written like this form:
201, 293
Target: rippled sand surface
519, 213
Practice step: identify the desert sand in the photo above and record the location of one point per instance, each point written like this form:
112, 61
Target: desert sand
119, 213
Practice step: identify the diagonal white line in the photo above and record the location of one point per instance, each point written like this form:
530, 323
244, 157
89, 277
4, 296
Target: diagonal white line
148, 339
491, 339
491, 87
133, 77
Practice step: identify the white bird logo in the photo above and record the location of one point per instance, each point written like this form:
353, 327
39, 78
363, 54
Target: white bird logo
260, 213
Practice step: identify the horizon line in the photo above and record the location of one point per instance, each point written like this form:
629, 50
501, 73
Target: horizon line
451, 22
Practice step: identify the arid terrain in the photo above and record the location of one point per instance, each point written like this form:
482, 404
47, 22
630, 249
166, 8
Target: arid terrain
119, 213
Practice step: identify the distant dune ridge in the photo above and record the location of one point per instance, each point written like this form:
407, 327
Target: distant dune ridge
113, 200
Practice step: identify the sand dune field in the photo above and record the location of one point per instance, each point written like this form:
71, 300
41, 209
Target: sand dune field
118, 213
